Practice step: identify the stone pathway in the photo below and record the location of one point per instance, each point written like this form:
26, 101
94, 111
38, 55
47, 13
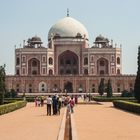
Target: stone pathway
104, 122
90, 122
30, 123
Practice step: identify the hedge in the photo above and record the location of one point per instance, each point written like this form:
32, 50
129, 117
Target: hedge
28, 99
110, 99
11, 107
128, 106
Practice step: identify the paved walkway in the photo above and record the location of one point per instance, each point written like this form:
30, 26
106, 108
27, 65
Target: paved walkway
30, 123
104, 122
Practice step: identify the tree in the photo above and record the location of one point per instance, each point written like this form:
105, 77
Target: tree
101, 87
13, 93
137, 81
2, 84
109, 89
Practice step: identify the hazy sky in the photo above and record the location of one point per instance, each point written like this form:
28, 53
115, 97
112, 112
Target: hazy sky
116, 19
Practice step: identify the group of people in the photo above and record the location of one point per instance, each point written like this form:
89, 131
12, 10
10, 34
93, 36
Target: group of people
55, 103
39, 101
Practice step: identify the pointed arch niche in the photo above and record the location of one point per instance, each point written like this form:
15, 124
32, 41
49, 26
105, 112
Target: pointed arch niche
68, 63
102, 66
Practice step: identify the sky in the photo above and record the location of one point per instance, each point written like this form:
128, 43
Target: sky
115, 19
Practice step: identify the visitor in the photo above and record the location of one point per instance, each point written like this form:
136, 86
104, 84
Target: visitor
63, 100
76, 99
42, 101
89, 97
85, 97
38, 101
49, 104
54, 102
72, 104
58, 105
35, 100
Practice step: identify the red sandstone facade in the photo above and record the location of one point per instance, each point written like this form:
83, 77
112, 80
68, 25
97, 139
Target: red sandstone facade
68, 63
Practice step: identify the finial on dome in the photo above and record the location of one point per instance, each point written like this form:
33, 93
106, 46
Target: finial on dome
67, 12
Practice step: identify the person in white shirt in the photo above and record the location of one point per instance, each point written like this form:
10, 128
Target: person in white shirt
49, 105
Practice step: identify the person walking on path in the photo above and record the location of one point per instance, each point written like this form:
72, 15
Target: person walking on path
76, 99
54, 102
49, 104
35, 100
72, 104
58, 105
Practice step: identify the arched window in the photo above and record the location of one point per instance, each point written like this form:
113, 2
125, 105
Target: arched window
102, 72
80, 88
68, 62
85, 61
118, 60
34, 72
102, 63
42, 87
17, 72
44, 59
17, 88
17, 61
74, 71
50, 61
85, 71
34, 63
30, 85
50, 72
68, 71
61, 71
30, 88
118, 71
118, 88
61, 62
92, 58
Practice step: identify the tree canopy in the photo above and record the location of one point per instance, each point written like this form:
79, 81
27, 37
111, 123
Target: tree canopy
109, 89
2, 83
137, 81
101, 87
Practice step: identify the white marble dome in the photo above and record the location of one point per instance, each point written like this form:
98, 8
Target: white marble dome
68, 27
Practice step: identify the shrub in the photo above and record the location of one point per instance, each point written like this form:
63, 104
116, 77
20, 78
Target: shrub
30, 99
101, 87
109, 89
110, 99
10, 94
126, 105
126, 93
11, 107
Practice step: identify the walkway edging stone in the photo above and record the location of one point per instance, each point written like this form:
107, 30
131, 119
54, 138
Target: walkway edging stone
62, 127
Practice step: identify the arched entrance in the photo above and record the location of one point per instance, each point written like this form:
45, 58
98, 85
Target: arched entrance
42, 87
102, 66
68, 63
68, 87
33, 66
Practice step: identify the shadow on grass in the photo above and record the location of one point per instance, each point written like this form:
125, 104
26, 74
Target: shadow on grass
133, 113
